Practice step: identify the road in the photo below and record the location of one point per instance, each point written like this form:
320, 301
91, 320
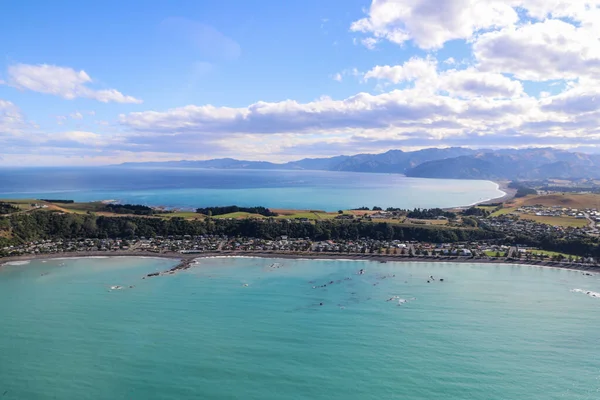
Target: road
592, 223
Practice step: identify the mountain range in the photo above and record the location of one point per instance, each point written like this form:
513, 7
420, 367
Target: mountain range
453, 162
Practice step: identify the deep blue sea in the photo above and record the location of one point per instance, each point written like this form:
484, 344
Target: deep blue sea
191, 188
248, 328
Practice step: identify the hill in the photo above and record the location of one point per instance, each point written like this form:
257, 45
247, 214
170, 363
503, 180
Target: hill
453, 162
569, 200
526, 164
393, 161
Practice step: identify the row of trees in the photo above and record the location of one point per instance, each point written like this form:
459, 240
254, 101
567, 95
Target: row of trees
49, 225
135, 209
522, 189
7, 208
233, 209
430, 213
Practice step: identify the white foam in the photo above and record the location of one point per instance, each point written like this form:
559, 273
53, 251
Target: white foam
587, 292
17, 262
116, 287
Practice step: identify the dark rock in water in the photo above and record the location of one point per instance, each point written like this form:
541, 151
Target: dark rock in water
441, 280
153, 274
428, 282
320, 304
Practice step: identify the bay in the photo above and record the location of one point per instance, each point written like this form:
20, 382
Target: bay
252, 328
192, 188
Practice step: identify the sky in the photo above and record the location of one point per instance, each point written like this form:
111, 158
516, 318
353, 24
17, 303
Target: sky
104, 82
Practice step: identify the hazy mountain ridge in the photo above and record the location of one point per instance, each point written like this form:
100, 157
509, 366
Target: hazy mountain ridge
393, 161
513, 164
454, 162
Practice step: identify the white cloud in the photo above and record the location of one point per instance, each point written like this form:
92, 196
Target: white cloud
469, 82
11, 118
552, 49
457, 107
339, 76
76, 115
578, 10
431, 23
413, 69
581, 98
450, 61
83, 137
465, 82
362, 110
61, 81
369, 43
61, 119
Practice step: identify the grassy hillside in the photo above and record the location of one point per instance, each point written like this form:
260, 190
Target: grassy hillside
570, 200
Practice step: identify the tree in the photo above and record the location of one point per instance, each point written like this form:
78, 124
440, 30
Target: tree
469, 221
340, 212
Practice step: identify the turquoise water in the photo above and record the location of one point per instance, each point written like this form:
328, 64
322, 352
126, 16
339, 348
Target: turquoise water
193, 188
486, 332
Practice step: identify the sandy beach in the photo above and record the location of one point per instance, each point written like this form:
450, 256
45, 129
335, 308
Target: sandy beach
185, 258
509, 193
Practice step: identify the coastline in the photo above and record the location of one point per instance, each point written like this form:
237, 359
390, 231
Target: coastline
509, 194
187, 258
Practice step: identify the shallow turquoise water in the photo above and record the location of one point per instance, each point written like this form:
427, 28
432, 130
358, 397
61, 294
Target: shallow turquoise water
192, 188
486, 332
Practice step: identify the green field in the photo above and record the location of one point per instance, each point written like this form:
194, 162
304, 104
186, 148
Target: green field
503, 211
238, 215
557, 221
20, 201
80, 208
549, 253
304, 214
182, 214
23, 204
492, 253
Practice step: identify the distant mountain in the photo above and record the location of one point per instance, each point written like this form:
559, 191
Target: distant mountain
512, 164
218, 163
454, 162
393, 161
398, 161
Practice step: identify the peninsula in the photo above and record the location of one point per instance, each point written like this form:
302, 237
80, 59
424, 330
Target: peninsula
548, 229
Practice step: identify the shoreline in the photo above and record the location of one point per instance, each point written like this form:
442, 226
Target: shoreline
187, 258
509, 194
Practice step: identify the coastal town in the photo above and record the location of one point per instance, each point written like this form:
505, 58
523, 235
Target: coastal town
186, 246
561, 228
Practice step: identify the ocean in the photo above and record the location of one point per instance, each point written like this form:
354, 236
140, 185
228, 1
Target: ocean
250, 328
191, 188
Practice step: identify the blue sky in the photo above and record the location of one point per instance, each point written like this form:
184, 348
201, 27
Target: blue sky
85, 83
